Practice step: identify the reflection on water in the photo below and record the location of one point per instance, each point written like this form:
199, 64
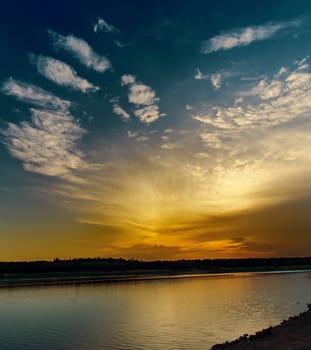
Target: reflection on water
192, 313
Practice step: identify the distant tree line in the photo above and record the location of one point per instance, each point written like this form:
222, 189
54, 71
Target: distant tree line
107, 265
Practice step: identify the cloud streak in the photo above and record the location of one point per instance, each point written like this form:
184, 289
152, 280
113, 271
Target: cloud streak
102, 26
121, 112
214, 78
200, 76
243, 36
34, 95
61, 74
81, 50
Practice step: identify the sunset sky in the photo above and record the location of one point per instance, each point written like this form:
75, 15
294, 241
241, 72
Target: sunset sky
155, 129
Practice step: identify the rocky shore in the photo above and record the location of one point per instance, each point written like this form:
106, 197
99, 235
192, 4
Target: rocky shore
291, 334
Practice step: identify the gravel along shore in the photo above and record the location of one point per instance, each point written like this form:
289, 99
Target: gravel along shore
291, 334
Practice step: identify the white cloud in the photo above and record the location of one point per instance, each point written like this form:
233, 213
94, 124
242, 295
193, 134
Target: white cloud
238, 101
62, 74
214, 78
121, 112
169, 146
148, 114
200, 76
132, 134
216, 81
243, 36
47, 144
141, 94
102, 26
142, 138
127, 79
81, 50
302, 62
282, 70
32, 94
267, 89
188, 107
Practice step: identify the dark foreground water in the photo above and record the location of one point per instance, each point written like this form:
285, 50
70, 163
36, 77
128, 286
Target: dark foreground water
192, 313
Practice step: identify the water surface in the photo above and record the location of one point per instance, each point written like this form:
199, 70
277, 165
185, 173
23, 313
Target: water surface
188, 313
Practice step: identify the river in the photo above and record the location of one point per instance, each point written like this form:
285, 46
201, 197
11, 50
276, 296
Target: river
170, 314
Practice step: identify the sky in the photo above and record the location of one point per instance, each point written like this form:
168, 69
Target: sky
155, 130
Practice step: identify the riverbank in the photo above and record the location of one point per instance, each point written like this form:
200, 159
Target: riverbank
291, 334
67, 279
14, 280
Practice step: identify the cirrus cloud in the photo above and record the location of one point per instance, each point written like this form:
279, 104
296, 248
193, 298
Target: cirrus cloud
243, 36
117, 109
61, 74
33, 94
81, 50
102, 26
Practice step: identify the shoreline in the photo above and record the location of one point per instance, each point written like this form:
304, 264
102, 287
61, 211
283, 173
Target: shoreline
46, 279
293, 333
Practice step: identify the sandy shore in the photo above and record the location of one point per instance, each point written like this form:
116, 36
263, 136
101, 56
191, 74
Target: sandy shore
291, 334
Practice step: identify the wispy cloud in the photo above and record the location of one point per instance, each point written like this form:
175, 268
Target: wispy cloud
188, 107
117, 109
142, 139
168, 146
102, 26
143, 97
32, 94
81, 50
200, 76
47, 144
120, 44
132, 134
216, 81
243, 36
214, 78
61, 73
